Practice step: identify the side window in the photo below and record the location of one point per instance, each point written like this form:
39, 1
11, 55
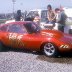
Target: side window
43, 15
17, 28
3, 28
31, 27
32, 14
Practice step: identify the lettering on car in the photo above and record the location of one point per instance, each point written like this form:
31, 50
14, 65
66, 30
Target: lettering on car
15, 39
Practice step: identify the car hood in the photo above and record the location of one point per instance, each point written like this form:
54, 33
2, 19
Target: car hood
67, 38
51, 33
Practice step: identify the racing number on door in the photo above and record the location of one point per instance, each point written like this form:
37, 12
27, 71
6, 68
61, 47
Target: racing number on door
15, 40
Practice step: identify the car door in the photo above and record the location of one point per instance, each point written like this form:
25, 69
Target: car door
33, 38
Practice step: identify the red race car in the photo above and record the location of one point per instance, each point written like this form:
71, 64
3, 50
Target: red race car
28, 35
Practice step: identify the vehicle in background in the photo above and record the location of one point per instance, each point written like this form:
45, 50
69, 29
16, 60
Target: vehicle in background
43, 18
42, 14
68, 22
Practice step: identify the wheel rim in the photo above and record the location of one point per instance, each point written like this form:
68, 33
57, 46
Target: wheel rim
49, 49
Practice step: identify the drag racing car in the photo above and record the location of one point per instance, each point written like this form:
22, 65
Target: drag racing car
28, 35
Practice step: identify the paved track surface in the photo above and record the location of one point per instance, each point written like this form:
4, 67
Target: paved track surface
19, 61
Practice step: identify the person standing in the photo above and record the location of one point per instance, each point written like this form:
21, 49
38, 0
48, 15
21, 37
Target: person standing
37, 19
51, 15
18, 15
57, 12
61, 20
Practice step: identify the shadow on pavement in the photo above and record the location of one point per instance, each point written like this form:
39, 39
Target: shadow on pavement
62, 59
21, 50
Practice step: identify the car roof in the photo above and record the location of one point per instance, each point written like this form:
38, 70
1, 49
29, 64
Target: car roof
16, 22
68, 12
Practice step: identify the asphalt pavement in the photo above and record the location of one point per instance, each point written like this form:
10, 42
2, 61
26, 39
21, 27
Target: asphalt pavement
19, 61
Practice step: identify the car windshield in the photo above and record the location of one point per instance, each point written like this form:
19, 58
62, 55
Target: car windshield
32, 14
32, 27
43, 15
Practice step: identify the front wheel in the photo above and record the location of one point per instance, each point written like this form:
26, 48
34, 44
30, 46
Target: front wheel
50, 50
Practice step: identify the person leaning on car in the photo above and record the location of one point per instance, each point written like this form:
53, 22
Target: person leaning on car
60, 19
37, 19
51, 15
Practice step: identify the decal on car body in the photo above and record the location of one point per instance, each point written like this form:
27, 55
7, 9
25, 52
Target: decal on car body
64, 46
15, 39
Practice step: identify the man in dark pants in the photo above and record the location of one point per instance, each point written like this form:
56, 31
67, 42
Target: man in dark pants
18, 15
61, 21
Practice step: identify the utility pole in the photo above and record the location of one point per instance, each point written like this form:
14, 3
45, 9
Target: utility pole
13, 6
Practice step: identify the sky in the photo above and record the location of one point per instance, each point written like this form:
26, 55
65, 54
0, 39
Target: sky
6, 6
